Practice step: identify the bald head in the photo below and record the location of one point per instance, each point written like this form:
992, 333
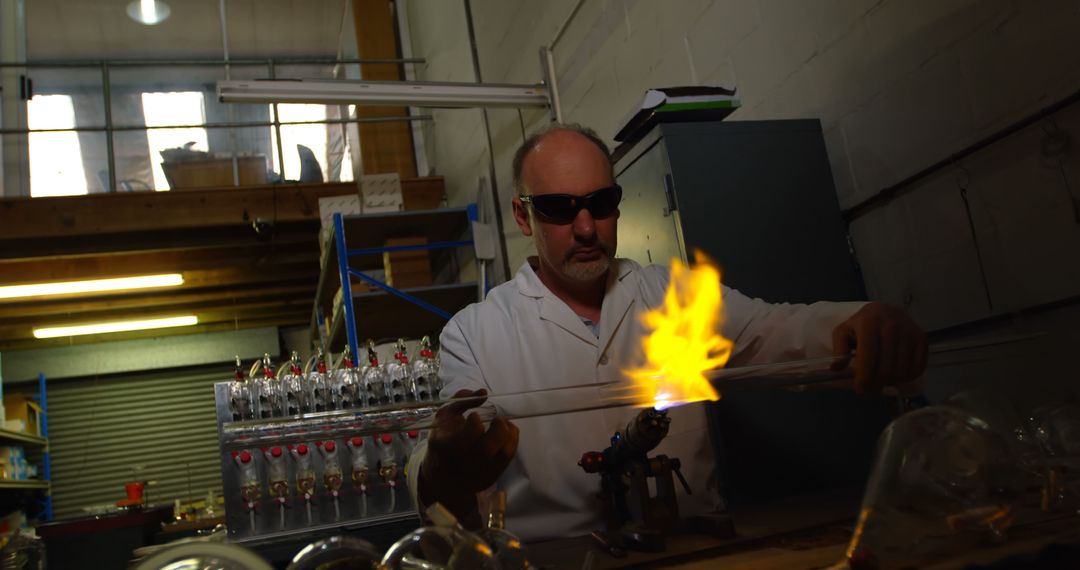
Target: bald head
570, 145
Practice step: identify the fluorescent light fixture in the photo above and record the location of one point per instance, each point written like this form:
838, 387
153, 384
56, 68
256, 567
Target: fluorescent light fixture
415, 93
149, 12
91, 285
117, 326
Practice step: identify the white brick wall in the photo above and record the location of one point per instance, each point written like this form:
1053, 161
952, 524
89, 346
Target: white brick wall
897, 84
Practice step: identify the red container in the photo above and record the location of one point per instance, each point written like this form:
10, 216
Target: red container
135, 491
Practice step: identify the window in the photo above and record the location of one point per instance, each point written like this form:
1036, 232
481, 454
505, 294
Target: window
56, 165
346, 174
175, 109
311, 136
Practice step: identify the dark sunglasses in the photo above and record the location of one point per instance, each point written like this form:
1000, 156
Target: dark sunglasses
563, 208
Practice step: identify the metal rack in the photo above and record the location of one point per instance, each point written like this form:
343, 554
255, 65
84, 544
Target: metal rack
42, 441
356, 245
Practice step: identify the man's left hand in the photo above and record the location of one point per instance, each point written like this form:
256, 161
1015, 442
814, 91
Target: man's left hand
889, 347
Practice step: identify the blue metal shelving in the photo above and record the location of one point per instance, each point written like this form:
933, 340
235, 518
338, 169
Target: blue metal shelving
347, 270
46, 460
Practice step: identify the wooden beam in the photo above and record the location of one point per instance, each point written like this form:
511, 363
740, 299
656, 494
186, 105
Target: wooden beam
119, 213
306, 272
385, 147
299, 318
156, 238
156, 301
219, 312
261, 256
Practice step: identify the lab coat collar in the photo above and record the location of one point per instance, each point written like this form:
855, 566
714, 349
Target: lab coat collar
618, 299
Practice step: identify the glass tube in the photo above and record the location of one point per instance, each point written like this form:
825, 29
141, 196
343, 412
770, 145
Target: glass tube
409, 416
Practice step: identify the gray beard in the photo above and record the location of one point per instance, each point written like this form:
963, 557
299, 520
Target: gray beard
588, 270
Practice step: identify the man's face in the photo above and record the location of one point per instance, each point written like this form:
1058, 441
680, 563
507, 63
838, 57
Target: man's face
565, 162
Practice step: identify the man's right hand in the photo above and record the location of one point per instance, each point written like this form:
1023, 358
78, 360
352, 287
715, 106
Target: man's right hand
463, 458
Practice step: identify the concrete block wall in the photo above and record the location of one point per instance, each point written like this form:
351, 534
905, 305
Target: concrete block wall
898, 85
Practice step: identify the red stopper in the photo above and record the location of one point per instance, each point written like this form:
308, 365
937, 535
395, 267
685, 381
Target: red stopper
276, 451
245, 457
301, 449
357, 441
329, 446
592, 461
386, 438
413, 434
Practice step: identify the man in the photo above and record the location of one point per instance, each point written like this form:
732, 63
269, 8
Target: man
571, 316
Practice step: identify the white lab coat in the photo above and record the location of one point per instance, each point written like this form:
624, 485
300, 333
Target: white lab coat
523, 337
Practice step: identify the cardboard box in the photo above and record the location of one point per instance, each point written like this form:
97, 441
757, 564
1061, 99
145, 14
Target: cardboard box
13, 465
422, 197
215, 172
20, 407
407, 269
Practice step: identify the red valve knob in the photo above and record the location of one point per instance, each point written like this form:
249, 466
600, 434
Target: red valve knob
413, 434
276, 452
245, 457
386, 439
329, 446
357, 441
301, 449
592, 461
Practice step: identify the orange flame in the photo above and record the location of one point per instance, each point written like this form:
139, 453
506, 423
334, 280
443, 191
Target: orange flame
683, 343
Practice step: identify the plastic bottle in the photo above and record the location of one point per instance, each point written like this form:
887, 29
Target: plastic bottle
240, 398
277, 474
409, 439
375, 380
305, 473
387, 461
359, 464
297, 398
349, 383
250, 490
271, 395
325, 398
332, 478
425, 373
398, 375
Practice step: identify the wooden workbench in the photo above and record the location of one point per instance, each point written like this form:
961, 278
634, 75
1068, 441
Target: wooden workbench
804, 532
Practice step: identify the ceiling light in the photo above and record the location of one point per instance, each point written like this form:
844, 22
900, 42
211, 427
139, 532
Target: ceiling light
417, 93
91, 286
149, 12
117, 326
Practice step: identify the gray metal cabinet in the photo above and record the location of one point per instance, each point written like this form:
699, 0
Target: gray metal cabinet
756, 196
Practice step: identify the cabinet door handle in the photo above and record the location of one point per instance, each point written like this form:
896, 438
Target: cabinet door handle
669, 195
